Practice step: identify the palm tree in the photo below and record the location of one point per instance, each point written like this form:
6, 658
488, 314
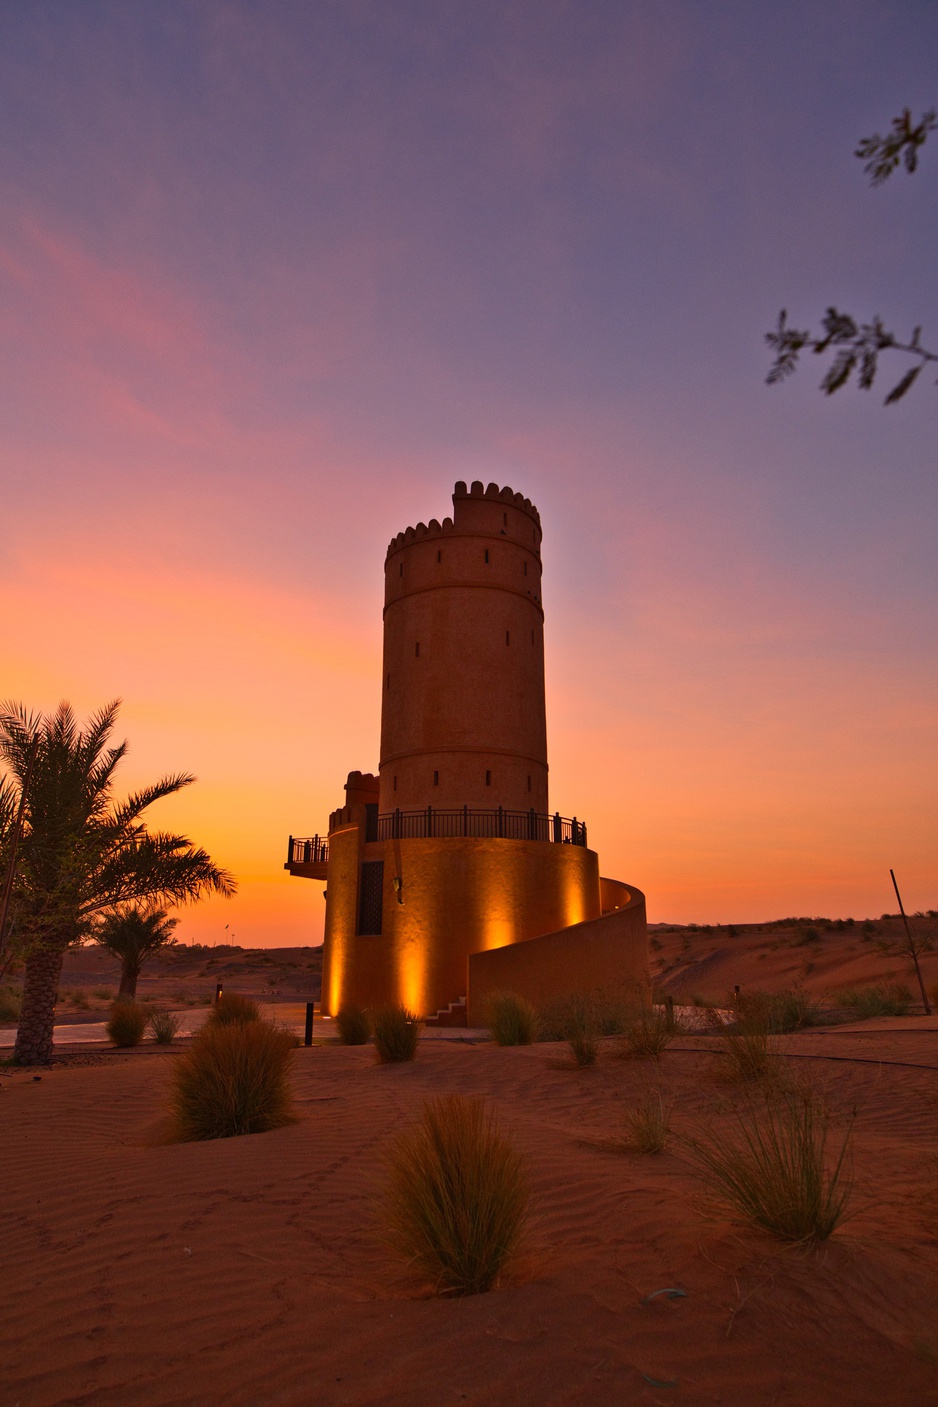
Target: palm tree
81, 852
134, 934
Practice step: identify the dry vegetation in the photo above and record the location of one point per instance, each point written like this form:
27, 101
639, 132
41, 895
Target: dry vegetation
233, 1080
457, 1196
353, 1025
396, 1032
127, 1023
776, 1170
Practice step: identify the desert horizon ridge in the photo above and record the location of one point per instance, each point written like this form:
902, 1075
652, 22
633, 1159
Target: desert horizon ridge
687, 961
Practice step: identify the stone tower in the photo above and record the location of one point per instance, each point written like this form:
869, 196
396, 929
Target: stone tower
463, 718
447, 875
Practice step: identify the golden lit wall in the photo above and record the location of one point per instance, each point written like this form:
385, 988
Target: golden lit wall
460, 896
604, 954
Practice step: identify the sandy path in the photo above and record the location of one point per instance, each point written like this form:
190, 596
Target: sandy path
248, 1271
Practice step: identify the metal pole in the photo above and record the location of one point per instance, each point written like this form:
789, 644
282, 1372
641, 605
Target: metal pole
914, 954
308, 1037
217, 993
17, 828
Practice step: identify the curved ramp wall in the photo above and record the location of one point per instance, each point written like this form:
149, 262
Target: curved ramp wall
601, 954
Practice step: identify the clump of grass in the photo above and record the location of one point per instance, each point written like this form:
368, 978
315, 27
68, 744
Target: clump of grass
777, 1172
747, 1050
79, 997
457, 1196
10, 1003
127, 1023
581, 1033
396, 1032
647, 1124
609, 1014
232, 1009
164, 1026
780, 1012
879, 999
353, 1025
103, 994
511, 1019
233, 1080
648, 1032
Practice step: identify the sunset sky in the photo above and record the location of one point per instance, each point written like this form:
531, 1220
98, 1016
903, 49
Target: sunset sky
274, 276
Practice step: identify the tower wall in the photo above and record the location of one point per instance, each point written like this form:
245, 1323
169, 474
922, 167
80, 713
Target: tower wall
463, 717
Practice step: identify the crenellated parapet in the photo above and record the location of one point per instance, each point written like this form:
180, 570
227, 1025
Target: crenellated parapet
466, 499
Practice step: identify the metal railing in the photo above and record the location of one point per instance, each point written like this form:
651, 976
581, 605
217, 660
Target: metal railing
468, 821
434, 823
310, 850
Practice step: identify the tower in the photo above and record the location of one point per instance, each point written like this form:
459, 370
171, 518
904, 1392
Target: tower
447, 875
463, 716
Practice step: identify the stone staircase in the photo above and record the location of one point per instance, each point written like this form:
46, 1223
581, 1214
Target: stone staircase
452, 1015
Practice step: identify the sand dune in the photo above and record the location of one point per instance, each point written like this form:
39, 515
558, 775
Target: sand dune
251, 1270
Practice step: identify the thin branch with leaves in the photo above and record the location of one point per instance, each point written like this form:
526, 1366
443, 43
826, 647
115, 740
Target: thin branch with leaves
857, 345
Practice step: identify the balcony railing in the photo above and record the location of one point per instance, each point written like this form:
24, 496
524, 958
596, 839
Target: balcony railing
434, 823
468, 821
312, 850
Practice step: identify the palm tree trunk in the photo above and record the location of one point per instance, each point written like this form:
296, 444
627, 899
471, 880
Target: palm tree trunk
37, 1015
129, 974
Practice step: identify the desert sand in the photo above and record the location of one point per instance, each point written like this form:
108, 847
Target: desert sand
252, 1271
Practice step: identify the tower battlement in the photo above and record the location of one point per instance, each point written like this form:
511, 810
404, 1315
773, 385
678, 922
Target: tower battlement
465, 516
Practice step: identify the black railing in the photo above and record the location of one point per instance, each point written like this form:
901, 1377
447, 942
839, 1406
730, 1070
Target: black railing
311, 850
468, 821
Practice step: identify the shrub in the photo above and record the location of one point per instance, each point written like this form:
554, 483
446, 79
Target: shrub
778, 1012
648, 1032
164, 1025
104, 994
79, 997
747, 1050
608, 1013
396, 1032
511, 1019
127, 1023
457, 1196
879, 999
233, 1080
777, 1172
353, 1025
581, 1032
647, 1125
231, 1009
10, 1003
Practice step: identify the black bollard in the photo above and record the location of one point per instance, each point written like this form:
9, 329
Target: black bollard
308, 1038
669, 1012
217, 992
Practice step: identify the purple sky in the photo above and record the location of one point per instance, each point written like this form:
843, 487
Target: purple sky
273, 277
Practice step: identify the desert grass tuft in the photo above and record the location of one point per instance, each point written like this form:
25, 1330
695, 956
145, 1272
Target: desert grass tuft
511, 1019
104, 994
878, 999
232, 1009
127, 1023
746, 1047
582, 1032
233, 1080
353, 1025
647, 1124
776, 1171
456, 1198
779, 1012
396, 1033
164, 1026
609, 1012
648, 1032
